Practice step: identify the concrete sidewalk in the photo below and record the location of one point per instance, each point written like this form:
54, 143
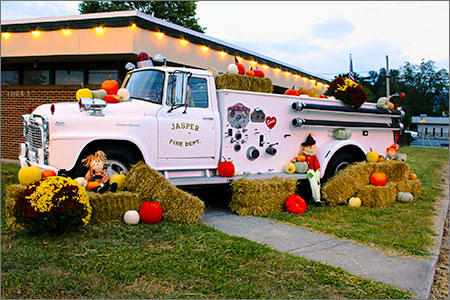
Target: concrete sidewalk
410, 274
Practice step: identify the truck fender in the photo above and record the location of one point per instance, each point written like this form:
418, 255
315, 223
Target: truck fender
327, 150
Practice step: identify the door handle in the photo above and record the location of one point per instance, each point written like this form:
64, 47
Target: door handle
208, 118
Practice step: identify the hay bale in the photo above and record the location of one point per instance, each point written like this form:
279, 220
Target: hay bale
12, 193
112, 206
412, 186
178, 205
378, 196
394, 170
243, 83
261, 196
346, 183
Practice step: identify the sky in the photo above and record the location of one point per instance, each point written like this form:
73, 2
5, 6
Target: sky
316, 36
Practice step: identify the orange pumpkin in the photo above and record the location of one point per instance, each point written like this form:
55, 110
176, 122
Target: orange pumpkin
391, 106
110, 86
92, 185
380, 158
48, 173
412, 176
301, 158
379, 179
292, 92
250, 72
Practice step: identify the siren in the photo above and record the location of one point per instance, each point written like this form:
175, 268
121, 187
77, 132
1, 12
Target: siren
144, 60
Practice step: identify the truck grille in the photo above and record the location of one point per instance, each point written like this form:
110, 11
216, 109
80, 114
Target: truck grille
34, 136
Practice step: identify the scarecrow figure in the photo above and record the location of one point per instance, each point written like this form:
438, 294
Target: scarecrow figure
309, 150
392, 152
96, 162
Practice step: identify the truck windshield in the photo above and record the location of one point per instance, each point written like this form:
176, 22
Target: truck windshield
145, 85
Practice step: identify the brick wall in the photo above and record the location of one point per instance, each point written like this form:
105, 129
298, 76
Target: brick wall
15, 102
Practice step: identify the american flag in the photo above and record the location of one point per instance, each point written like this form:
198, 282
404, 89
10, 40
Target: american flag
350, 72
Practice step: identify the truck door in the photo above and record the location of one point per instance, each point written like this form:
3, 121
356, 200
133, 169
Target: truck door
188, 132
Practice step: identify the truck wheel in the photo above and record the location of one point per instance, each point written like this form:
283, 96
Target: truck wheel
339, 162
119, 159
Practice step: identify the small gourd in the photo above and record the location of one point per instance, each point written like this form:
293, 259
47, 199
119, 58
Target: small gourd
342, 134
301, 167
404, 197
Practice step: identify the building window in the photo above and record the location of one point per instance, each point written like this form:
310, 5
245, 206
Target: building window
68, 77
36, 77
98, 76
10, 77
442, 132
434, 131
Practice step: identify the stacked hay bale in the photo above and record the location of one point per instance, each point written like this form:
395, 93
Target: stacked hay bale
244, 83
177, 205
261, 196
355, 181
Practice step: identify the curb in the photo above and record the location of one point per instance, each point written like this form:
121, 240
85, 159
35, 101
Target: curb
442, 211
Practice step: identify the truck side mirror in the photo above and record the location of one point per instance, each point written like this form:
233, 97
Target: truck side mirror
179, 96
181, 80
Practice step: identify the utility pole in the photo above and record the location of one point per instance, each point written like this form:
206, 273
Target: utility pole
388, 75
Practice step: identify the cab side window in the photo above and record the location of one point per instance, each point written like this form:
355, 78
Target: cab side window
197, 92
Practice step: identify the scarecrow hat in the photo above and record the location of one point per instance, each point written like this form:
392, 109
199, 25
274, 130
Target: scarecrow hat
309, 141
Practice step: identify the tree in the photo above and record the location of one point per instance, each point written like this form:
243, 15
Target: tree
178, 12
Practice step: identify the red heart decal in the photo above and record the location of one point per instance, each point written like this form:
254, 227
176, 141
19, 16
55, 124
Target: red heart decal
271, 122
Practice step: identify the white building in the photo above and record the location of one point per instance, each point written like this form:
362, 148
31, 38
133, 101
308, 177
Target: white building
431, 127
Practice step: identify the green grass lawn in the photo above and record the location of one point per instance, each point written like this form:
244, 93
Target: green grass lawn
398, 228
167, 260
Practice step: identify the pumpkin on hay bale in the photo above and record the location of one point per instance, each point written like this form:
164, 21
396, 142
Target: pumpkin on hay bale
261, 196
243, 83
178, 205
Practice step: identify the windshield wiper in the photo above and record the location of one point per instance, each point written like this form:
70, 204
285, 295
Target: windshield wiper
143, 99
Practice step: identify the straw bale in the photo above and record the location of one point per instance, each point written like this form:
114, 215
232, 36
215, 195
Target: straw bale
177, 205
346, 183
112, 206
394, 170
12, 193
378, 196
243, 83
412, 186
261, 196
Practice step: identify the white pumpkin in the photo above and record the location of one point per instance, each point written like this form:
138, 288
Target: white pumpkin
342, 134
301, 167
354, 202
81, 181
404, 197
124, 94
383, 103
131, 217
233, 69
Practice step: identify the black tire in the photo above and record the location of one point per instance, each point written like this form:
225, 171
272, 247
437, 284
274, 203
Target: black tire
119, 159
339, 162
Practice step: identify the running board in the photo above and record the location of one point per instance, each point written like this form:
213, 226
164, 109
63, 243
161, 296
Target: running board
191, 181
